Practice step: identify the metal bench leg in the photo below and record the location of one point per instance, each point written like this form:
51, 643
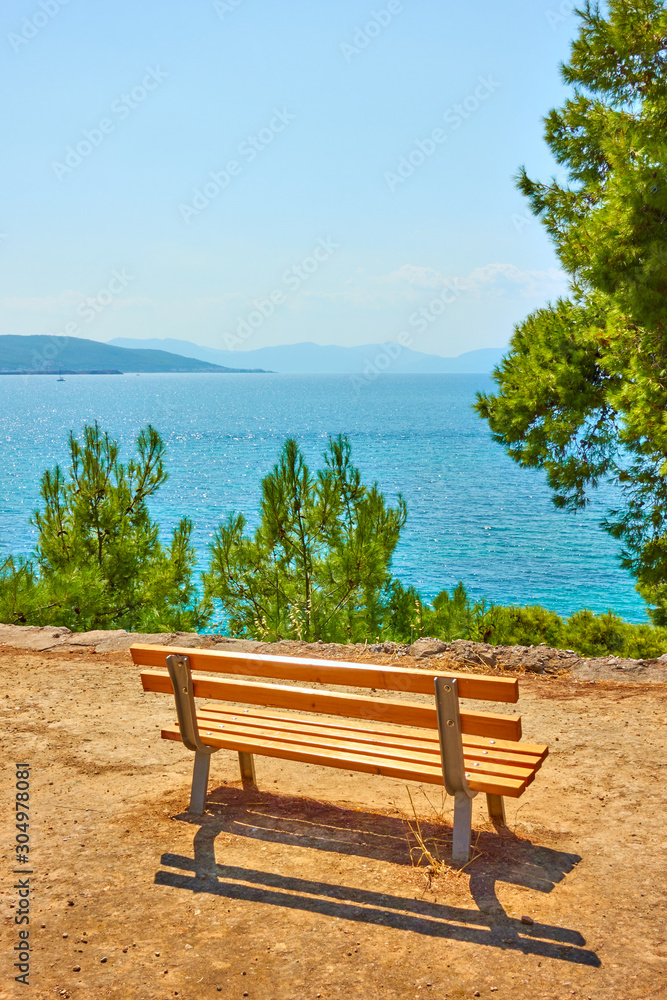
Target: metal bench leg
462, 827
496, 807
184, 695
453, 764
247, 765
199, 782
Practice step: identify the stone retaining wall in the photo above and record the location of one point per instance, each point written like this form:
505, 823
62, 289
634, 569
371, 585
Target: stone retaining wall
458, 654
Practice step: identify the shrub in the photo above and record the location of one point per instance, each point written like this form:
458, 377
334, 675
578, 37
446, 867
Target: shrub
317, 566
99, 562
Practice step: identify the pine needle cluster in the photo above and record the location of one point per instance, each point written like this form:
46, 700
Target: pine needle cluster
582, 392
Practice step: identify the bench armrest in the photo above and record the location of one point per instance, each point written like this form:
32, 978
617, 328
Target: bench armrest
181, 679
449, 728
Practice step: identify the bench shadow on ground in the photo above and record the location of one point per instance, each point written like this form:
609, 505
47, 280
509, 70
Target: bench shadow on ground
290, 821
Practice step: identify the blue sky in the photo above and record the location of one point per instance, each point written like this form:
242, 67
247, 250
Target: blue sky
387, 133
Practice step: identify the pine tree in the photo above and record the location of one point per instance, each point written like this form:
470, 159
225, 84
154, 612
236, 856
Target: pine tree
99, 562
317, 567
582, 392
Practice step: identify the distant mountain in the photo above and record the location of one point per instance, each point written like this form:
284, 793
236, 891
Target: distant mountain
74, 355
330, 359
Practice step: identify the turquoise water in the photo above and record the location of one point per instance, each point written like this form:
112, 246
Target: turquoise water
472, 513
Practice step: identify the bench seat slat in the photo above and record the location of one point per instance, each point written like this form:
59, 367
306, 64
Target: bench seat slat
399, 739
375, 732
293, 668
367, 763
490, 724
403, 753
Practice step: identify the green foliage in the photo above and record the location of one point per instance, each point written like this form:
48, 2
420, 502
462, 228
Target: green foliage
582, 392
529, 626
457, 616
403, 613
600, 635
20, 596
317, 567
99, 562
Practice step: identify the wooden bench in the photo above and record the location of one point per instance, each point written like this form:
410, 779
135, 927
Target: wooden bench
439, 743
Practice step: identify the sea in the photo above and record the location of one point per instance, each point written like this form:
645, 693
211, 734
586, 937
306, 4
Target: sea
473, 514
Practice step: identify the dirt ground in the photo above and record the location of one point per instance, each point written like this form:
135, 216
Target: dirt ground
306, 889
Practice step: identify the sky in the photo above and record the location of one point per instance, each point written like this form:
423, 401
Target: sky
343, 171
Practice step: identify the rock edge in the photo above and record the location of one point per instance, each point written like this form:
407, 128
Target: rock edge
461, 653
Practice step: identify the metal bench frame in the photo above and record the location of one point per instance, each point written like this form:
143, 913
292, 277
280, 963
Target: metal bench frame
451, 748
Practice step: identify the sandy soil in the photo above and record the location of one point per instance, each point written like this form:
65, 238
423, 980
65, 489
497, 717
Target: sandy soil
306, 889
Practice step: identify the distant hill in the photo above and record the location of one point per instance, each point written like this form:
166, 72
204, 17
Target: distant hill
74, 355
316, 358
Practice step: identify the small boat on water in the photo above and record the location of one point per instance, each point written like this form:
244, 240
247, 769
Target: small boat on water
61, 379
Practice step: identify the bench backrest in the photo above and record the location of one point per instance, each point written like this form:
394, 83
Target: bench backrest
327, 702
